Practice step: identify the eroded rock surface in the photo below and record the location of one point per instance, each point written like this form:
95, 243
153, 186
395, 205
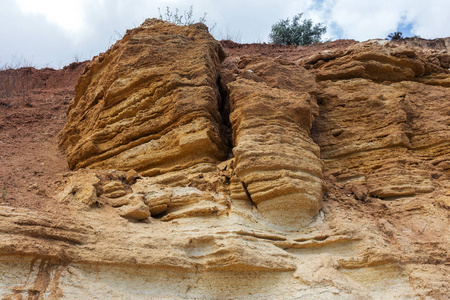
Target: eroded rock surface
196, 176
150, 103
140, 107
399, 144
276, 160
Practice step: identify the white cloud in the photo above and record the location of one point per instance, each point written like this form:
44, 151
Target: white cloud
30, 38
431, 18
67, 13
366, 19
56, 30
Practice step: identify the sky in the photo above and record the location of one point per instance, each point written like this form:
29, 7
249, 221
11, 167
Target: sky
54, 33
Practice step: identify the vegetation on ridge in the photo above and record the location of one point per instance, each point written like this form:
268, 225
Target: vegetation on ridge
286, 32
395, 36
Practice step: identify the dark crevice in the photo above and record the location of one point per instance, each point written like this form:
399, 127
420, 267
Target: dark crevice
247, 192
160, 215
315, 130
224, 110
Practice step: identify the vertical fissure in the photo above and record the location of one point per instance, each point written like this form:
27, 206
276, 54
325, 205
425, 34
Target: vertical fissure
224, 110
244, 185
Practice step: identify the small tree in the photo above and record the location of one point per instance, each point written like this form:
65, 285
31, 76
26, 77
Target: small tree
295, 33
395, 36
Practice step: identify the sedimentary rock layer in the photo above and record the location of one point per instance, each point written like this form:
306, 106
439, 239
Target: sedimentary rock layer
150, 103
388, 151
275, 159
153, 103
324, 178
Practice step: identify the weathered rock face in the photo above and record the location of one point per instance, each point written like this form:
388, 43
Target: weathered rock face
275, 159
142, 107
389, 151
150, 103
325, 177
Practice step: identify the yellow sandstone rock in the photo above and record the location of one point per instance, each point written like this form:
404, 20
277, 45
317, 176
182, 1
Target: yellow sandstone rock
150, 103
276, 160
254, 178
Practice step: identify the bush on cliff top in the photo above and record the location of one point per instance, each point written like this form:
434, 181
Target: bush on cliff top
184, 18
295, 33
177, 18
395, 36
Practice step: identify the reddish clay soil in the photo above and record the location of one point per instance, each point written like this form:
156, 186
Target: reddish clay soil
290, 53
32, 112
33, 106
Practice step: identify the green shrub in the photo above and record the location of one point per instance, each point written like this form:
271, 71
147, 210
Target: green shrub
295, 33
394, 36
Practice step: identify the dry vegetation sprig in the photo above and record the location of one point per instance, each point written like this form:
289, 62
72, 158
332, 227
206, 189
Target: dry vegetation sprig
185, 18
17, 62
14, 83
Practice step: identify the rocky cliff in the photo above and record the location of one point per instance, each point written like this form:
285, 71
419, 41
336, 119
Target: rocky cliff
201, 170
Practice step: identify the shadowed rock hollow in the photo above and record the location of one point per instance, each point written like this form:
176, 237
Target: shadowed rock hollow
197, 172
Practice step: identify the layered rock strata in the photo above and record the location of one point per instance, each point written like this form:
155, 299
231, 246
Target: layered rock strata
389, 151
276, 160
238, 215
150, 103
155, 110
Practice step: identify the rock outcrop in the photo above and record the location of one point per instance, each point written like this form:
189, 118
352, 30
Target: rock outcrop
140, 107
276, 160
389, 151
150, 103
200, 176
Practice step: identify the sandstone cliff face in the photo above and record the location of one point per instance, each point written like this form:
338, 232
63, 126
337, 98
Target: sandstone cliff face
133, 106
200, 176
275, 158
140, 107
389, 151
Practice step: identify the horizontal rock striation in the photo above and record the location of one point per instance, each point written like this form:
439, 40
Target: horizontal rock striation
153, 104
150, 103
275, 159
203, 177
376, 60
371, 127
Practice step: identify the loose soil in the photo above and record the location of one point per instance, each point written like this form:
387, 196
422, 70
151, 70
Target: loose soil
33, 107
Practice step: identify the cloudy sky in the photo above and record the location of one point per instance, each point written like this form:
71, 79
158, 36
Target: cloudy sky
56, 32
